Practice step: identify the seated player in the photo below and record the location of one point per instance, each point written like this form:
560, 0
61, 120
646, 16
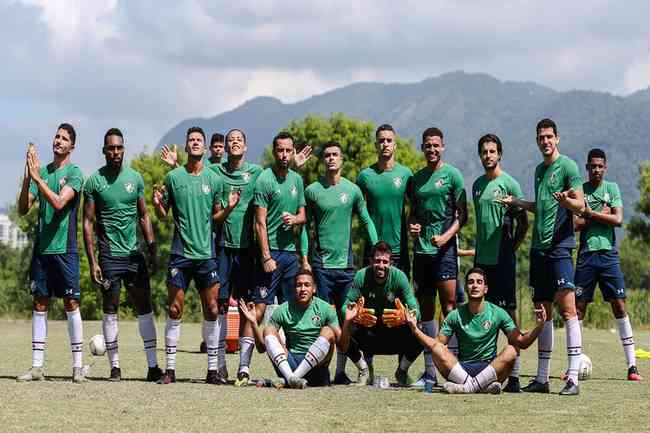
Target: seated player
311, 329
476, 324
375, 288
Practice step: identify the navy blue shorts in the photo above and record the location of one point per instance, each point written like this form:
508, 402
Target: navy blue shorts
318, 376
182, 271
333, 285
284, 276
236, 273
55, 275
550, 271
130, 270
475, 367
502, 283
460, 293
602, 268
429, 269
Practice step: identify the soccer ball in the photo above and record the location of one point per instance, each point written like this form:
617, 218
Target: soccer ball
97, 345
584, 370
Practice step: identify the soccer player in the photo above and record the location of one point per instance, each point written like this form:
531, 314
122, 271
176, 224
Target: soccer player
193, 194
54, 270
371, 324
169, 155
330, 202
558, 194
279, 202
237, 255
497, 239
311, 329
478, 367
439, 210
114, 205
384, 185
598, 261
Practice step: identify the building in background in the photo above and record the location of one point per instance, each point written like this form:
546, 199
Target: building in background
10, 233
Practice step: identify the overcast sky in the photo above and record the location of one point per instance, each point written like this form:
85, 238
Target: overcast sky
145, 65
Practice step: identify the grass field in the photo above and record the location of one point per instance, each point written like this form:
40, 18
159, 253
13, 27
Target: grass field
607, 402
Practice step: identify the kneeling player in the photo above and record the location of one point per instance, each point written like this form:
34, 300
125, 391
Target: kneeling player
476, 324
311, 329
379, 286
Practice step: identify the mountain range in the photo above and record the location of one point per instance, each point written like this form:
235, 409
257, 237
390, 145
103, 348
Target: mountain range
466, 106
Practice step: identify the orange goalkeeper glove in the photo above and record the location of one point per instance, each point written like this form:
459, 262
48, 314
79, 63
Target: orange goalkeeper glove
395, 317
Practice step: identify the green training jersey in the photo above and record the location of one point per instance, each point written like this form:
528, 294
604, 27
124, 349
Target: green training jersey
237, 229
385, 192
279, 195
381, 295
192, 199
435, 196
208, 163
302, 326
57, 229
553, 225
596, 236
116, 209
477, 334
494, 221
329, 208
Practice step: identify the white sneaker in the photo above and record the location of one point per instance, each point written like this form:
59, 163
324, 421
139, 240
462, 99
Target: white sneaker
421, 382
493, 388
454, 388
297, 382
78, 375
34, 373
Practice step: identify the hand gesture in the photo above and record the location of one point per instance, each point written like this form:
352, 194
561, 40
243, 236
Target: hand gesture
507, 200
96, 274
365, 316
269, 265
288, 219
248, 311
606, 210
415, 229
412, 319
395, 317
540, 316
169, 155
33, 165
351, 312
158, 192
233, 197
303, 156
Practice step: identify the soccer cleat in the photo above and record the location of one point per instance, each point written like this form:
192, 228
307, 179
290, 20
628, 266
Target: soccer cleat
167, 378
421, 382
243, 379
78, 375
454, 388
203, 348
513, 385
366, 376
223, 373
341, 378
633, 374
538, 387
402, 377
570, 388
34, 373
116, 374
493, 388
295, 382
154, 374
212, 378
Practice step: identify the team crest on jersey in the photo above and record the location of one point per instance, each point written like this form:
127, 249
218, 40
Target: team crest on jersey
205, 188
486, 324
390, 297
62, 181
606, 197
246, 176
552, 177
294, 190
343, 197
439, 183
315, 320
129, 187
497, 193
397, 182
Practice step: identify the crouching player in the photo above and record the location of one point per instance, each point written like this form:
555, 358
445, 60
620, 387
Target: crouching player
378, 330
476, 324
311, 329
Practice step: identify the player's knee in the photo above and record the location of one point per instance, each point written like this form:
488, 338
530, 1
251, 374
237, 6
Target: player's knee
269, 330
509, 354
175, 311
211, 311
568, 312
70, 304
328, 334
41, 304
618, 308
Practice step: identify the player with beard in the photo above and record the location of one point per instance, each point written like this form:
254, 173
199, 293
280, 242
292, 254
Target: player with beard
54, 270
497, 240
114, 205
169, 155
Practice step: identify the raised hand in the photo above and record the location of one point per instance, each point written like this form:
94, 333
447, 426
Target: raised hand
303, 156
540, 316
158, 192
248, 310
33, 165
233, 197
169, 155
351, 311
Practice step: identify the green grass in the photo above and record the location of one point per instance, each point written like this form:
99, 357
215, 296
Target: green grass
607, 402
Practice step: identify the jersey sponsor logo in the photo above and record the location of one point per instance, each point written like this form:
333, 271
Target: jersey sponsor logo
397, 182
486, 324
129, 187
246, 176
206, 188
343, 197
315, 320
440, 183
478, 193
293, 190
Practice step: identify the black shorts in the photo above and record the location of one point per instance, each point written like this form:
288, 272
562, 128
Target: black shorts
182, 271
430, 269
550, 271
382, 340
502, 283
130, 270
236, 273
602, 268
55, 275
283, 278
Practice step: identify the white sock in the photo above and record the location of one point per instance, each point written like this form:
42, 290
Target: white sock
341, 360
544, 352
278, 356
430, 328
458, 374
481, 380
76, 334
39, 337
573, 347
361, 364
172, 335
110, 330
627, 339
315, 355
246, 345
211, 338
221, 347
516, 367
147, 329
452, 345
